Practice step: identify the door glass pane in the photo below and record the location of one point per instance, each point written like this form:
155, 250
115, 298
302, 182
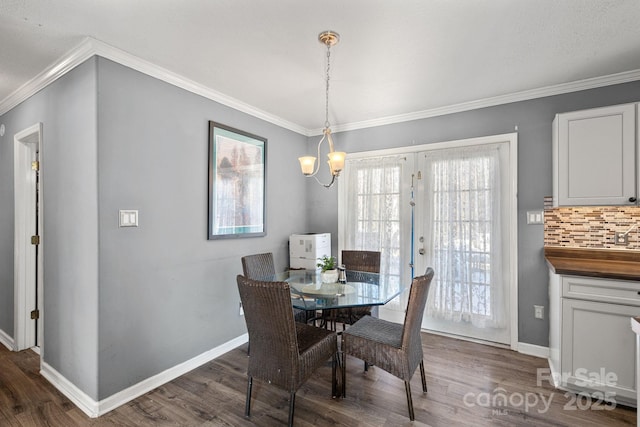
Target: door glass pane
373, 218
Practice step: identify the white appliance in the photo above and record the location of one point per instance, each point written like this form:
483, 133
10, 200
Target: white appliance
305, 249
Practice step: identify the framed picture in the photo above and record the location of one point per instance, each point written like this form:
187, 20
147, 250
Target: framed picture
237, 172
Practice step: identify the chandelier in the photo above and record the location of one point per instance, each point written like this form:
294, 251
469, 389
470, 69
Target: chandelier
336, 158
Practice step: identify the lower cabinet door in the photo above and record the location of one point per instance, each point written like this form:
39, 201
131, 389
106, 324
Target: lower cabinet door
598, 350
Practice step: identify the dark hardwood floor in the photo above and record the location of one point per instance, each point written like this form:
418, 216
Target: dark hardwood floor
467, 384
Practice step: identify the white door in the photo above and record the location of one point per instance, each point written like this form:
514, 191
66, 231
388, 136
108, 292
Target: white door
385, 204
374, 214
28, 286
465, 216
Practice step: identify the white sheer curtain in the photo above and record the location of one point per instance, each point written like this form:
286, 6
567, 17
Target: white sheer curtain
373, 210
464, 202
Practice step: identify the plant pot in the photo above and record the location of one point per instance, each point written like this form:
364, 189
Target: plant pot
329, 276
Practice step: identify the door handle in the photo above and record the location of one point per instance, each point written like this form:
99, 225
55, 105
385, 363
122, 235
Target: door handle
421, 251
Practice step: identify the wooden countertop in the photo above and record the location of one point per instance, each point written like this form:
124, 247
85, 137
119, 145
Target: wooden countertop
602, 263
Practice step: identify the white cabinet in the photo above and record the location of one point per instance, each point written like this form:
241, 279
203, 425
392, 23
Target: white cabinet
595, 157
598, 349
592, 347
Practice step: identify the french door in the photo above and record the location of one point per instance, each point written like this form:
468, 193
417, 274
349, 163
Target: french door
450, 206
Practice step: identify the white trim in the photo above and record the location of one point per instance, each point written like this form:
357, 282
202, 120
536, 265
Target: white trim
26, 143
90, 46
95, 409
468, 339
513, 237
6, 340
53, 72
512, 140
533, 350
559, 89
433, 146
66, 387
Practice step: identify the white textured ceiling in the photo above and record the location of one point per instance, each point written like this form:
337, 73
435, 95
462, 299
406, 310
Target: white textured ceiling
394, 57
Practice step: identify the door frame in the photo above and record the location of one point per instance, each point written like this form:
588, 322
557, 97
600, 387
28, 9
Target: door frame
512, 139
27, 144
510, 246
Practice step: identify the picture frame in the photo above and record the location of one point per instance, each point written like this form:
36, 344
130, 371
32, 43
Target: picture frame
237, 183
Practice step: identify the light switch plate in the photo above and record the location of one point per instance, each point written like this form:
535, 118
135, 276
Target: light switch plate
128, 218
535, 217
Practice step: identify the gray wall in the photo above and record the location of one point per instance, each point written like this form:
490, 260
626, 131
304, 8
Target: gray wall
166, 292
67, 109
533, 119
123, 304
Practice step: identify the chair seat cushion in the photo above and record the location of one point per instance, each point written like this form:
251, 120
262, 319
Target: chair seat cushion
378, 330
380, 343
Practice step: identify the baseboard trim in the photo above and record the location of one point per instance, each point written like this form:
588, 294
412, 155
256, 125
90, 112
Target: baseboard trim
97, 408
7, 340
533, 350
66, 387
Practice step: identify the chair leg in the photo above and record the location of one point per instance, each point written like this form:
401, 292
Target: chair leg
247, 407
334, 377
424, 378
407, 388
344, 375
292, 403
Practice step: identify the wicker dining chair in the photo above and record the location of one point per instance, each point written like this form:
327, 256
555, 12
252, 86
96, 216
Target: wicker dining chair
262, 267
284, 353
355, 261
392, 347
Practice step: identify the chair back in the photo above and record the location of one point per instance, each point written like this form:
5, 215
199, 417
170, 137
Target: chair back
272, 330
258, 266
415, 311
368, 261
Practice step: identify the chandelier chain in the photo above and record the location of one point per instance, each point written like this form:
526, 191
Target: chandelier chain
326, 106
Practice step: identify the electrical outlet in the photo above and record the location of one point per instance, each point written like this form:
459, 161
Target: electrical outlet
621, 238
538, 311
241, 310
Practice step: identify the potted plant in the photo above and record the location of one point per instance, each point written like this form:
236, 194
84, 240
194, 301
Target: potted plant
328, 270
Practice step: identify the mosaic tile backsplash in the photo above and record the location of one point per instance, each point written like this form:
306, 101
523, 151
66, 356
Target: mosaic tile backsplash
591, 226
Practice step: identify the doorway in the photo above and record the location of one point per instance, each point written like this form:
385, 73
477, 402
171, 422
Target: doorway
463, 228
401, 186
28, 283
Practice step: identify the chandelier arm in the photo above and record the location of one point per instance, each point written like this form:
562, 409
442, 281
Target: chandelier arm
327, 133
333, 180
318, 159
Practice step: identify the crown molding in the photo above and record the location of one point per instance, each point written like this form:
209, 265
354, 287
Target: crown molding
90, 47
559, 89
53, 72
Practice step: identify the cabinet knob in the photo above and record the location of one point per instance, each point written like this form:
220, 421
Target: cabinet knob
632, 199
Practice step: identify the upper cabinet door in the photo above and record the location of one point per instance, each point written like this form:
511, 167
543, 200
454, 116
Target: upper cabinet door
595, 156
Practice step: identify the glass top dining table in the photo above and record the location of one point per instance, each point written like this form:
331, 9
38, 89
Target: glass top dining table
361, 288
